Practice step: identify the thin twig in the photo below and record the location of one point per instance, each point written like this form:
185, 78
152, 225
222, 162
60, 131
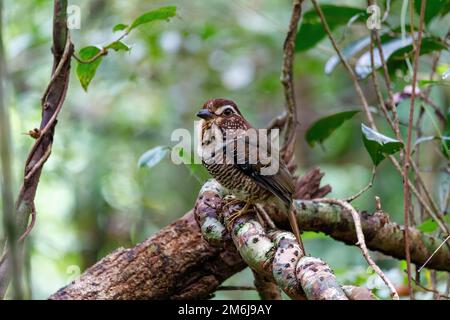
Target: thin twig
434, 206
369, 119
367, 187
406, 164
103, 52
387, 11
433, 278
278, 122
378, 204
30, 226
287, 75
361, 242
416, 160
246, 6
394, 123
287, 80
434, 65
376, 86
47, 127
411, 22
387, 80
65, 57
346, 65
430, 257
40, 163
420, 198
364, 100
430, 290
435, 107
57, 70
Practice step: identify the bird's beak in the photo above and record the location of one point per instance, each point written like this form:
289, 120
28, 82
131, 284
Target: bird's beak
205, 114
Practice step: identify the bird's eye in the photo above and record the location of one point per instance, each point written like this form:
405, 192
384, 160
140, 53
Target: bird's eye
228, 112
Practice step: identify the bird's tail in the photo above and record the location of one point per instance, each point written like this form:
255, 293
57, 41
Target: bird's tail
294, 226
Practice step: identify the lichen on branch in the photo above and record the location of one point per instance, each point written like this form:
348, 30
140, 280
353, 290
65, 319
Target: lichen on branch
273, 254
136, 273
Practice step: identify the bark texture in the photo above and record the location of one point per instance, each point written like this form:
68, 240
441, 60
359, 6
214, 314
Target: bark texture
274, 255
177, 263
381, 234
324, 285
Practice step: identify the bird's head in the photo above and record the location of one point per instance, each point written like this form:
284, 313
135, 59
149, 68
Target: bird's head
224, 114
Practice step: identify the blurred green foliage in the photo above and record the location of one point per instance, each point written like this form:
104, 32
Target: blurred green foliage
93, 197
320, 130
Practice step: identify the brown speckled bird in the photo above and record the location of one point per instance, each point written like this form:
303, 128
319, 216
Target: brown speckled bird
222, 123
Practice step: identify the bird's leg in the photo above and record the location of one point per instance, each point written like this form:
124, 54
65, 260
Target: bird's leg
236, 215
265, 216
231, 202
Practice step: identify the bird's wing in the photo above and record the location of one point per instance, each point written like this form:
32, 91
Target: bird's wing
252, 162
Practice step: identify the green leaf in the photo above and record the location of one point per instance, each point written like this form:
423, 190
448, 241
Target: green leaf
86, 71
153, 156
424, 83
196, 170
163, 13
428, 226
433, 8
445, 149
446, 142
324, 127
311, 30
119, 27
394, 50
347, 52
429, 44
378, 145
118, 46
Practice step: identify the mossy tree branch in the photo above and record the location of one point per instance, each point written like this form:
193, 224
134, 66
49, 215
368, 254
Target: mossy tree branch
154, 269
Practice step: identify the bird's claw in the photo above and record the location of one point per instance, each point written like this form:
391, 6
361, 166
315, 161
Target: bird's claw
235, 215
